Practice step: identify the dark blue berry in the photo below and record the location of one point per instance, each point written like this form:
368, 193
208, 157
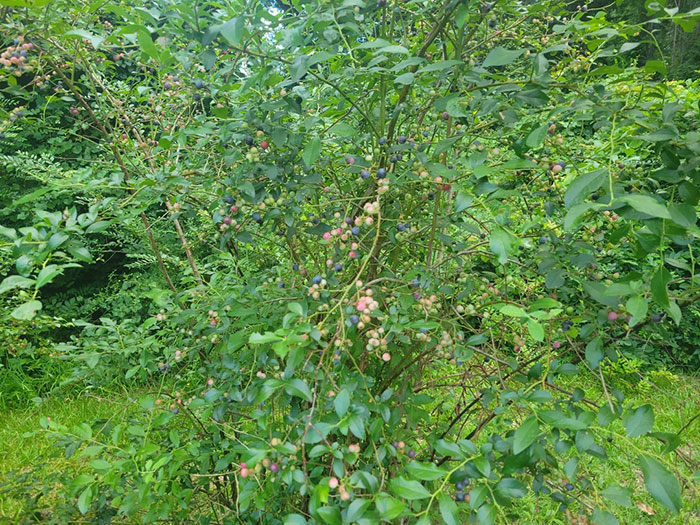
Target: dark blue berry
355, 230
425, 134
401, 227
315, 221
392, 159
459, 496
228, 199
382, 141
411, 453
295, 267
317, 279
401, 140
569, 487
354, 319
364, 174
543, 240
280, 284
338, 267
256, 217
198, 83
381, 173
249, 140
197, 97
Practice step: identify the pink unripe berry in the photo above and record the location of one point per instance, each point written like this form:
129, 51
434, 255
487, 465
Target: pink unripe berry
386, 356
612, 316
556, 168
556, 344
333, 483
327, 236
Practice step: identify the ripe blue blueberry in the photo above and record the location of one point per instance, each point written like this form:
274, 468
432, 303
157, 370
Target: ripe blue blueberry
393, 159
401, 227
459, 496
295, 267
228, 199
543, 240
249, 140
399, 156
197, 97
317, 279
198, 83
256, 217
411, 453
354, 319
569, 487
425, 134
315, 221
381, 173
423, 330
280, 284
401, 140
382, 141
348, 220
338, 267
364, 174
355, 230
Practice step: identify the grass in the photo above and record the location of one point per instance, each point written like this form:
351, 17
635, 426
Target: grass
675, 400
25, 445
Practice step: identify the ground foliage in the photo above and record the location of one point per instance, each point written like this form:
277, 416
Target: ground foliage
355, 251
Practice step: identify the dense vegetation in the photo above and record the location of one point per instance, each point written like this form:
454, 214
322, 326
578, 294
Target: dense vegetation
350, 261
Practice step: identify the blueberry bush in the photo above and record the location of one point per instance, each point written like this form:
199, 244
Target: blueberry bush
355, 252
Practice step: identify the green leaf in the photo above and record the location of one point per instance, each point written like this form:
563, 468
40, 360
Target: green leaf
536, 137
406, 79
342, 402
311, 152
658, 287
259, 339
297, 387
617, 494
330, 515
603, 517
513, 311
525, 435
661, 484
439, 66
448, 510
639, 422
95, 40
57, 239
408, 489
357, 509
501, 244
536, 330
392, 49
648, 205
294, 519
638, 307
84, 500
583, 186
575, 214
26, 311
232, 30
463, 201
425, 471
500, 56
47, 274
511, 488
389, 508
594, 352
15, 281
80, 253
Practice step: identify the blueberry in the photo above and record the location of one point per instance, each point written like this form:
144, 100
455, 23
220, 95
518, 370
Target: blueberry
348, 220
594, 196
295, 267
569, 487
197, 97
355, 230
175, 411
249, 140
401, 227
399, 157
656, 318
423, 331
228, 199
354, 319
338, 267
482, 236
415, 283
315, 221
459, 486
381, 173
198, 83
401, 140
425, 134
411, 453
364, 174
317, 279
176, 79
256, 217
280, 284
392, 159
431, 195
382, 141
459, 496
542, 240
